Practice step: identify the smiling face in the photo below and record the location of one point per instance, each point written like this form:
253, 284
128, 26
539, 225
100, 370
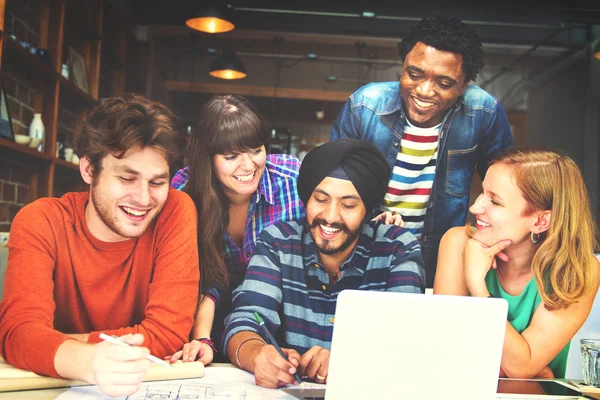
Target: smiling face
240, 173
335, 214
431, 82
127, 194
501, 211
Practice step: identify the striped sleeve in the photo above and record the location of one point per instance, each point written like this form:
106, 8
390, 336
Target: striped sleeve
260, 292
407, 273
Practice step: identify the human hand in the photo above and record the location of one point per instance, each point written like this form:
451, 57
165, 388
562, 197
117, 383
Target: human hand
315, 364
478, 258
390, 217
546, 372
192, 351
119, 370
273, 371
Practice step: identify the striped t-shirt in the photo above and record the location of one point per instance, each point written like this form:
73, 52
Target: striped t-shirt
412, 176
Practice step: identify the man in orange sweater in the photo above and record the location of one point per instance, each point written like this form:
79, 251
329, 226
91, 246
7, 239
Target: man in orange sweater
121, 259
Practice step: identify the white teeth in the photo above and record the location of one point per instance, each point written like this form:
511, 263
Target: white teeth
423, 104
328, 230
481, 223
133, 212
244, 178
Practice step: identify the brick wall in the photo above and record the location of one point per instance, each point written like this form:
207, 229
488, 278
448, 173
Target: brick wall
19, 96
22, 18
67, 125
66, 181
14, 190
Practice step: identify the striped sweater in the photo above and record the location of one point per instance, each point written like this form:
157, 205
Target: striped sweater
289, 287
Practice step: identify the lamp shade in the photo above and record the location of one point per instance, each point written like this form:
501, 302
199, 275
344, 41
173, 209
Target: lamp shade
228, 66
212, 19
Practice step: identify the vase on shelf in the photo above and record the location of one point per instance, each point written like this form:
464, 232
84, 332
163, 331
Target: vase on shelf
36, 131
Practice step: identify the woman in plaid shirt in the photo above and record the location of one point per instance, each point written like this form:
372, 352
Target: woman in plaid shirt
239, 189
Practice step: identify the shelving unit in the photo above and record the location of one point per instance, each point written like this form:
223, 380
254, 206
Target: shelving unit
14, 50
63, 24
23, 152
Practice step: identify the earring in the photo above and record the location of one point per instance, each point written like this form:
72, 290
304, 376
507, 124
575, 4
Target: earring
534, 240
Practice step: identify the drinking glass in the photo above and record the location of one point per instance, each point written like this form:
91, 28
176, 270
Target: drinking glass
590, 362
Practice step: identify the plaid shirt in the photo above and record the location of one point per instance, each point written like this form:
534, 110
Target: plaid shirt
290, 288
275, 200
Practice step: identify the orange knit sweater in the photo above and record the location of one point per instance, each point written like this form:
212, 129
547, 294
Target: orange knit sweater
61, 279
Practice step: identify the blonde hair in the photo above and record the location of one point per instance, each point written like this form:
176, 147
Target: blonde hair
564, 264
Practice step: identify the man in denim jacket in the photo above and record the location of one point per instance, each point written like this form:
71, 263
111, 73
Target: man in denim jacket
433, 128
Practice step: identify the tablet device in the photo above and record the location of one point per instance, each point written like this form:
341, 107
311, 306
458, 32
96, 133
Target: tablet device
545, 389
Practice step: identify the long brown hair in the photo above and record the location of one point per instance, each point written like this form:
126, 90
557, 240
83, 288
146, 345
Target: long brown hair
225, 124
564, 264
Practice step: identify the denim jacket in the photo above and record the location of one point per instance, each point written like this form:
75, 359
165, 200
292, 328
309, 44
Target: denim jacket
474, 131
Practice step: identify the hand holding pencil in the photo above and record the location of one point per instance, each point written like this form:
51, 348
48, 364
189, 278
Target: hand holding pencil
273, 366
119, 368
116, 340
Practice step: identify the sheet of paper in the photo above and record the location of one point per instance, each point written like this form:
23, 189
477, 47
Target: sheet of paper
219, 383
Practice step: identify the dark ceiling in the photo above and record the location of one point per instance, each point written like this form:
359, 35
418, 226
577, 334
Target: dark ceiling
564, 23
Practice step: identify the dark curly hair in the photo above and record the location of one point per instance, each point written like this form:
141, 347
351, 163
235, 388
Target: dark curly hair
447, 34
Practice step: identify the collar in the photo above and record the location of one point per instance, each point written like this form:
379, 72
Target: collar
358, 259
265, 186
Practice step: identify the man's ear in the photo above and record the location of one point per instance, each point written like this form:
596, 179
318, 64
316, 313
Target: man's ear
542, 223
86, 169
464, 86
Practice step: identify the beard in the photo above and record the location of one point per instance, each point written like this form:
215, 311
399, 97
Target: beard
326, 247
109, 216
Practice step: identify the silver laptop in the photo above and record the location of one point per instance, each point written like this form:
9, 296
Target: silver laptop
412, 346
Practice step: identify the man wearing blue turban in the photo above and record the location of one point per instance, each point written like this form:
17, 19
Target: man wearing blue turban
299, 268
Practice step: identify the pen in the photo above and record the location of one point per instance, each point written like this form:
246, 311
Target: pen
272, 341
150, 357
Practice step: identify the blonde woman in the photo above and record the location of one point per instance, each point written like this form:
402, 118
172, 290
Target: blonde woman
533, 245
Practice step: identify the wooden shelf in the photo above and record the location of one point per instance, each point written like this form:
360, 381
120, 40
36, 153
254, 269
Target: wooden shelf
75, 91
23, 57
24, 151
66, 164
63, 24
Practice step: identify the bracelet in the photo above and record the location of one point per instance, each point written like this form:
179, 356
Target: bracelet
209, 342
237, 351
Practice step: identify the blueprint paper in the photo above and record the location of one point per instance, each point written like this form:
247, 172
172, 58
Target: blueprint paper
219, 383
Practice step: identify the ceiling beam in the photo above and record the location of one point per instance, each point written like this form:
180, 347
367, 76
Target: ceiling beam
258, 91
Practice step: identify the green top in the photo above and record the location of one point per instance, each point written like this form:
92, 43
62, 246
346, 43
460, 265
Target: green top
520, 313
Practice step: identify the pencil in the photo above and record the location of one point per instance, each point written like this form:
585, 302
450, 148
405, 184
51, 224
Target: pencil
115, 340
272, 341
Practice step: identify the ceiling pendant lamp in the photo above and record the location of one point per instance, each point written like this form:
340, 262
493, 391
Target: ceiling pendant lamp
228, 66
212, 19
